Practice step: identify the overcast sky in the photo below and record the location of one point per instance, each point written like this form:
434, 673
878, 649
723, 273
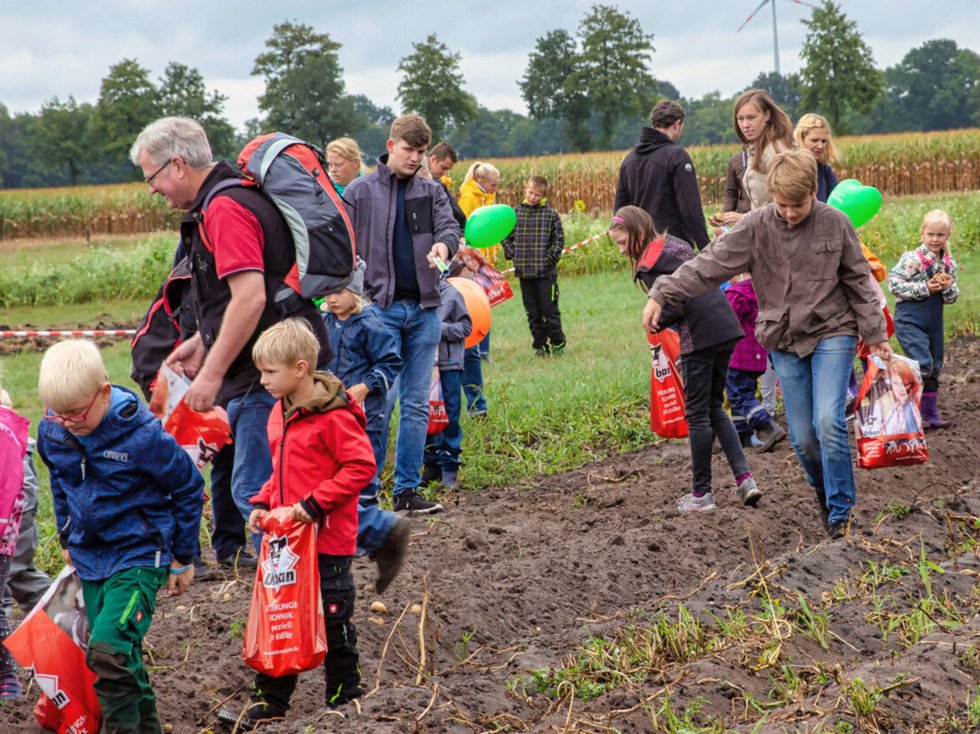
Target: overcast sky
65, 47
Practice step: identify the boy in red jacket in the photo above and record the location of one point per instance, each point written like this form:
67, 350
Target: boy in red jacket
321, 460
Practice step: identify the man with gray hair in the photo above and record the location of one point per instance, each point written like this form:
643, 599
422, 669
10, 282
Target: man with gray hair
240, 252
658, 176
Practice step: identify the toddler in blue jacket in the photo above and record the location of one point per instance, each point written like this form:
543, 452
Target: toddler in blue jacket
127, 500
367, 360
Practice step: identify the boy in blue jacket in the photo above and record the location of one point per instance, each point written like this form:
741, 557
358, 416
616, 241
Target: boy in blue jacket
127, 500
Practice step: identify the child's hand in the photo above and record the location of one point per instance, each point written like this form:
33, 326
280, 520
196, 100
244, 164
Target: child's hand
300, 515
255, 518
178, 583
934, 284
66, 557
359, 392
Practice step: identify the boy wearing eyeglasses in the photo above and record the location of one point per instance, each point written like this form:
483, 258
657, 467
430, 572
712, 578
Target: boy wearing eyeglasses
127, 499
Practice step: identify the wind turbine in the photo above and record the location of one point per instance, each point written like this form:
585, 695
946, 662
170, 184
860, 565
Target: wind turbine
775, 38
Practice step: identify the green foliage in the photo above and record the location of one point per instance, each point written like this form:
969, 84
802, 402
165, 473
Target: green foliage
304, 85
432, 86
934, 87
127, 103
551, 89
613, 69
838, 75
62, 136
182, 93
101, 273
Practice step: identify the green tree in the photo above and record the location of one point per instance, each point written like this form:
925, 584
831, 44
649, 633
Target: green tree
709, 120
432, 86
786, 90
371, 139
61, 136
304, 85
839, 76
127, 103
182, 93
613, 68
551, 86
935, 87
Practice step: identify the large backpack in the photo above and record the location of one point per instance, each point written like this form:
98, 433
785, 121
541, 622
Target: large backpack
169, 321
293, 174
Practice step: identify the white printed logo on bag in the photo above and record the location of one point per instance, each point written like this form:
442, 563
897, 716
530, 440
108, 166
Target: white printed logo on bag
660, 362
279, 569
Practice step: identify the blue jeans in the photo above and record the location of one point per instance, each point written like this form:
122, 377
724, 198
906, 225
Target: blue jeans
443, 449
252, 467
373, 523
814, 393
476, 402
417, 331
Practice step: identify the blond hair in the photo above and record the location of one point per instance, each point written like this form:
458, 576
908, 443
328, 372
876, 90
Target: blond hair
70, 371
813, 121
288, 342
482, 172
792, 174
937, 216
348, 149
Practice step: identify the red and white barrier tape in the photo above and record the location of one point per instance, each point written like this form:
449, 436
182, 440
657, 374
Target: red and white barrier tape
76, 332
577, 245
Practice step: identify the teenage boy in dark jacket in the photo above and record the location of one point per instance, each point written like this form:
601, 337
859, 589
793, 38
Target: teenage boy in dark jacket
659, 177
127, 501
535, 246
403, 223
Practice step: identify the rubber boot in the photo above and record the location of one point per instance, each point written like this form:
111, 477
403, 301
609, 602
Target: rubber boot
771, 435
930, 411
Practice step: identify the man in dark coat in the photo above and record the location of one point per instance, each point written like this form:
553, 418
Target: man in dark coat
658, 176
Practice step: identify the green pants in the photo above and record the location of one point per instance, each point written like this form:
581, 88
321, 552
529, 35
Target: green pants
119, 611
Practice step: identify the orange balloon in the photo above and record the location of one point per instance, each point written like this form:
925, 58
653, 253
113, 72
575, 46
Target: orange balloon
478, 306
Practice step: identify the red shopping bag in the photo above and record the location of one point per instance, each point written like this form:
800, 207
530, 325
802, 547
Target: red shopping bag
666, 388
888, 424
51, 641
438, 417
285, 632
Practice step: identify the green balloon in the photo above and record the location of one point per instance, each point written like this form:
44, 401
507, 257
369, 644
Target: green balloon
859, 202
489, 225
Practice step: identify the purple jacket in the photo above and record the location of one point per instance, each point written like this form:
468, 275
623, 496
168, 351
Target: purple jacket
749, 355
371, 204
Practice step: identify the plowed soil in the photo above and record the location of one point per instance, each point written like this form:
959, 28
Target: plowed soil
740, 619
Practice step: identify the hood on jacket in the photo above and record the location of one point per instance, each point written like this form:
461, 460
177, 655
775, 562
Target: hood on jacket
328, 394
650, 140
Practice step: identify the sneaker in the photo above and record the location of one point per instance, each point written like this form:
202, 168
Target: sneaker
239, 560
204, 573
748, 491
541, 351
10, 688
690, 503
391, 554
342, 697
449, 480
431, 473
410, 503
558, 349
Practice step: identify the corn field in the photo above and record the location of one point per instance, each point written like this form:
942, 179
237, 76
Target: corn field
899, 164
83, 211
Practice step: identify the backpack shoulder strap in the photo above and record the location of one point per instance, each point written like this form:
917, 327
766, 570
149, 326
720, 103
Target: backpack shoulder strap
222, 185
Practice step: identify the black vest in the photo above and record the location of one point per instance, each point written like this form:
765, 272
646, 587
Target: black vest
212, 295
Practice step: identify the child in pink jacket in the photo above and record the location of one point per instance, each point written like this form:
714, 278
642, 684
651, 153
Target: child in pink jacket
755, 426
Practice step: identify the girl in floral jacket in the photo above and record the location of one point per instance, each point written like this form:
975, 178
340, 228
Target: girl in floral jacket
923, 282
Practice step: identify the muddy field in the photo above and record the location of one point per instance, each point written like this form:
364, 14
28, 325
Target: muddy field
586, 603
